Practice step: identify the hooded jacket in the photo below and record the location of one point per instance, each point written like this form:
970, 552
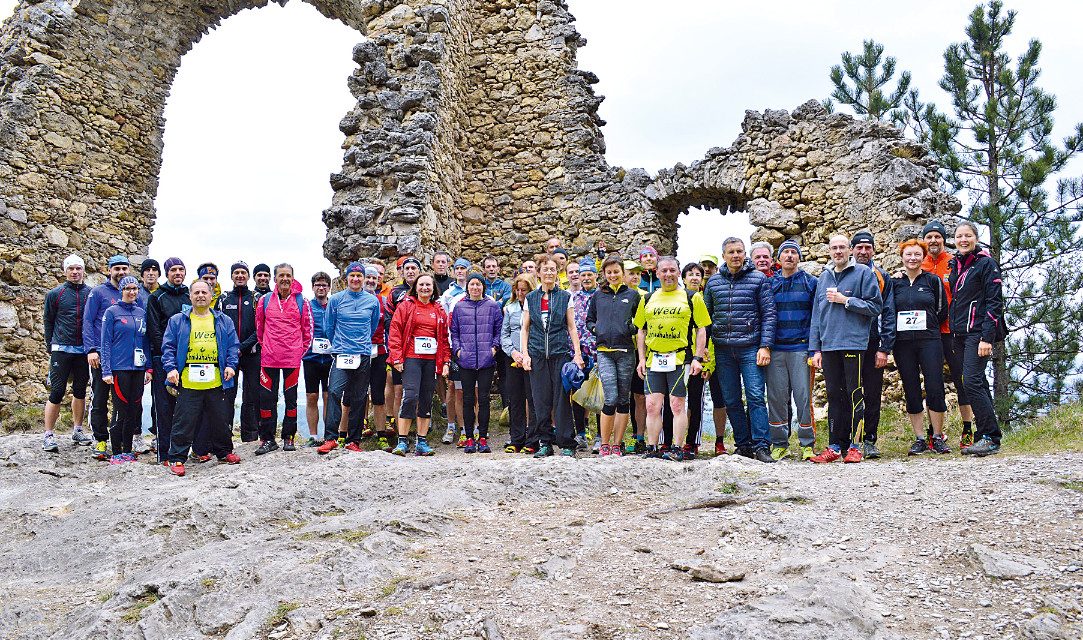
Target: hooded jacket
793, 304
318, 313
475, 332
588, 344
178, 332
742, 308
498, 290
609, 317
349, 321
162, 305
124, 329
511, 330
837, 327
882, 331
284, 328
239, 305
64, 308
101, 298
977, 297
649, 281
401, 336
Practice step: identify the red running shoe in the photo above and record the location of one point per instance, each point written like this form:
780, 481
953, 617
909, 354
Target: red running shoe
719, 448
327, 447
231, 458
827, 455
353, 446
176, 468
853, 455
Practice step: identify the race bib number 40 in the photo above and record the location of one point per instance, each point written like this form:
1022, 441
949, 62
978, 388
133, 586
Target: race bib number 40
664, 362
348, 361
911, 321
200, 372
424, 346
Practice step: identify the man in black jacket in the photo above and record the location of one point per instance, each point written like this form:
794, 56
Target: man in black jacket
170, 299
239, 305
67, 357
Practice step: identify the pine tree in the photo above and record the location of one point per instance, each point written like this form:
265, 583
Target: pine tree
869, 72
996, 150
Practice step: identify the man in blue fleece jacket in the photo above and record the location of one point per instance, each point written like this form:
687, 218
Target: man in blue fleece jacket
846, 303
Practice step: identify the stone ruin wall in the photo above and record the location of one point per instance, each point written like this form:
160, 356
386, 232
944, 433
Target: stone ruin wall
474, 130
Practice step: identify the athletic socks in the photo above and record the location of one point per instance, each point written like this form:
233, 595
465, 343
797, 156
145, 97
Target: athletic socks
968, 427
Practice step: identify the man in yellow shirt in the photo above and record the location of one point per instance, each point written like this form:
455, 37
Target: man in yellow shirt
667, 351
200, 352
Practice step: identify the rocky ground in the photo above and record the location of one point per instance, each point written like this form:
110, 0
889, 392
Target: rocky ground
372, 546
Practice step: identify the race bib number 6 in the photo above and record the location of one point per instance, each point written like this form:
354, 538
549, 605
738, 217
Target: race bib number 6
348, 361
664, 362
200, 372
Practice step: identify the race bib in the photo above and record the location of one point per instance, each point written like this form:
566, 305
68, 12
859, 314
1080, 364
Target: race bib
424, 346
664, 362
911, 321
347, 361
200, 372
139, 358
321, 345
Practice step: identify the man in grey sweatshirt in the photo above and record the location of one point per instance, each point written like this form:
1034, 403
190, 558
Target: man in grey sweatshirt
846, 302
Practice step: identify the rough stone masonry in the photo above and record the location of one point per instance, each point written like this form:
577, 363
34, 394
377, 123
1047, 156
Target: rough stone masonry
474, 130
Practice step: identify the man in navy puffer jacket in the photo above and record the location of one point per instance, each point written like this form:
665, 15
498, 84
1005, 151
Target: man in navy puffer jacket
743, 320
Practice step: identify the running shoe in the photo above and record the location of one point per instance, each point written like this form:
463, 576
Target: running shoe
400, 448
80, 438
807, 453
982, 448
287, 444
99, 452
673, 454
49, 443
853, 455
918, 448
615, 450
382, 444
206, 457
176, 468
603, 451
510, 448
652, 452
327, 447
353, 446
780, 453
139, 445
117, 458
154, 444
312, 442
827, 455
719, 448
567, 452
483, 445
470, 446
763, 455
462, 440
940, 445
529, 451
544, 451
581, 442
266, 446
449, 435
641, 445
869, 451
966, 440
230, 458
596, 446
128, 457
422, 448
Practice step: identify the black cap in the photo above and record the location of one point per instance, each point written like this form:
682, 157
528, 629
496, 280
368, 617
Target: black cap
149, 263
934, 225
240, 264
261, 268
862, 237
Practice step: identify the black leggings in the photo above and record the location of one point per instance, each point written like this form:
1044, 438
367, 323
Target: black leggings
128, 401
955, 367
418, 385
695, 403
477, 384
520, 405
916, 359
64, 365
845, 397
268, 401
977, 387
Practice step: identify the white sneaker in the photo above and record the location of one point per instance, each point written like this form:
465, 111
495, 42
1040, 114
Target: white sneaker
81, 438
139, 445
49, 444
449, 435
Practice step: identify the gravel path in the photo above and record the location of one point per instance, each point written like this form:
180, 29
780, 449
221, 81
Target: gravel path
373, 546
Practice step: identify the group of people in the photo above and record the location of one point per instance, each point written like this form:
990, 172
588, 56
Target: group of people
754, 328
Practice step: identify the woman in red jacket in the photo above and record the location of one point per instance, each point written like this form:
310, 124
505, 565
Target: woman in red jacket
419, 345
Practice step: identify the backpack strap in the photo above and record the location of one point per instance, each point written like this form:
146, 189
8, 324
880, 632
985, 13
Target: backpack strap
880, 279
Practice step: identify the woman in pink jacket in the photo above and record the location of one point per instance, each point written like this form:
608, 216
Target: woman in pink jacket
284, 330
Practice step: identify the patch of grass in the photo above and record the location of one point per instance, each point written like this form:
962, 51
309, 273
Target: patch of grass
393, 611
352, 536
906, 152
209, 583
289, 525
391, 587
789, 499
281, 611
106, 597
728, 488
135, 612
22, 418
1074, 485
330, 512
1059, 431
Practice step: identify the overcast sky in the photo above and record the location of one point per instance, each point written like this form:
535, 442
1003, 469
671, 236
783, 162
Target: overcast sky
252, 121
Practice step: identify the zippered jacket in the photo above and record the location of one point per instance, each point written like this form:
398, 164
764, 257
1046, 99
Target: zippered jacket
240, 306
177, 334
349, 321
925, 294
882, 331
977, 296
475, 332
162, 305
498, 290
941, 268
124, 329
318, 313
101, 298
742, 308
553, 341
838, 327
609, 317
511, 330
400, 339
284, 328
793, 304
64, 308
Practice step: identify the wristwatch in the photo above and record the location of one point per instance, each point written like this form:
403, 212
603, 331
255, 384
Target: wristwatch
698, 359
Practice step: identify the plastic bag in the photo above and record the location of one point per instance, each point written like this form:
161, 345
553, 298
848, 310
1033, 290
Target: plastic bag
590, 396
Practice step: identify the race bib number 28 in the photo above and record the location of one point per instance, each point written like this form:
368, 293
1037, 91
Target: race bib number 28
348, 361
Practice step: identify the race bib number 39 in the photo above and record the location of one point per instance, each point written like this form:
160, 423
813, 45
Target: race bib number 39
200, 372
911, 321
348, 361
664, 362
424, 346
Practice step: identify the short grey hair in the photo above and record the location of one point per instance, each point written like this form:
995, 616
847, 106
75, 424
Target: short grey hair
672, 259
283, 265
732, 240
762, 245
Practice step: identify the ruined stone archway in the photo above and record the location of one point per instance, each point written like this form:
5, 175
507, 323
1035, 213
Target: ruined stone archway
473, 130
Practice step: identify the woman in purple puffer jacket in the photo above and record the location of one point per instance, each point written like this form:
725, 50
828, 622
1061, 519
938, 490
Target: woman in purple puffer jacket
475, 338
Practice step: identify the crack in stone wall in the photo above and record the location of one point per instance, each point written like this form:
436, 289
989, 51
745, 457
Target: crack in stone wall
473, 130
